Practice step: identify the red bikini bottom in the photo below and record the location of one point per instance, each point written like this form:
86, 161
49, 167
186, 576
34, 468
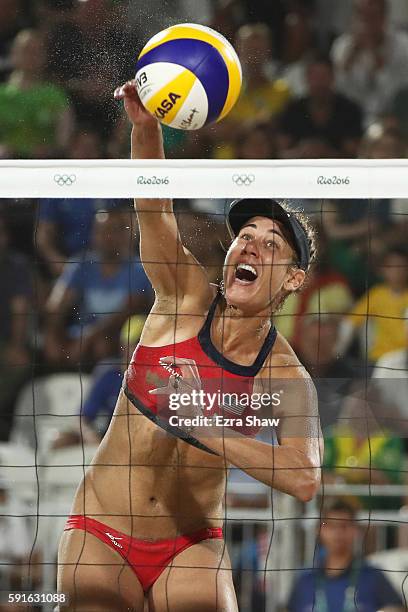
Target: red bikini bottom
147, 559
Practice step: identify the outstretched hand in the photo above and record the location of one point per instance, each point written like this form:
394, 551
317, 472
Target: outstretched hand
135, 110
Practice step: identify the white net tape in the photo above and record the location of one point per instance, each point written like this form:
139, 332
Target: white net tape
204, 179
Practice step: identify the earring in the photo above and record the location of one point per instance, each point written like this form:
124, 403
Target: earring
222, 287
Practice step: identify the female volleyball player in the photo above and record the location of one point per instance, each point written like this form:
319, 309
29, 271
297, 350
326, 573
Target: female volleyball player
146, 525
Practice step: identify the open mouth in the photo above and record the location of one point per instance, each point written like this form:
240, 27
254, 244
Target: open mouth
245, 274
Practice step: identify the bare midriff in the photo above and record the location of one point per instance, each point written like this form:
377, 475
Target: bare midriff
150, 484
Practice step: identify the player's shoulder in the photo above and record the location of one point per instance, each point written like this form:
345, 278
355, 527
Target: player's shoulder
284, 361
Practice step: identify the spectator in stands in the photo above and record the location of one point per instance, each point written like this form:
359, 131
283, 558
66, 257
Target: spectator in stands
371, 60
256, 141
333, 18
334, 377
342, 581
380, 311
36, 119
359, 449
230, 15
263, 96
390, 385
15, 306
298, 32
64, 224
102, 288
322, 114
91, 50
100, 401
298, 46
64, 229
16, 542
309, 148
326, 295
11, 21
164, 13
356, 231
382, 142
395, 363
252, 563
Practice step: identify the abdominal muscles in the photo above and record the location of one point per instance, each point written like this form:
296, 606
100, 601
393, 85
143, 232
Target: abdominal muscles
149, 483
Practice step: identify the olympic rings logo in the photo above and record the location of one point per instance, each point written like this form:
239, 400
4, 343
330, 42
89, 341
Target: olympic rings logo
65, 180
243, 179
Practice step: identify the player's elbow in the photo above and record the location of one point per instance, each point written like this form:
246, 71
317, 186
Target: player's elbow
307, 492
309, 485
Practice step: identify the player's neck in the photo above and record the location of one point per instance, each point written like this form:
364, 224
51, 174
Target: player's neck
235, 327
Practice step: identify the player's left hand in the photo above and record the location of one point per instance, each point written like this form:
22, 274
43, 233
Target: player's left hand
183, 383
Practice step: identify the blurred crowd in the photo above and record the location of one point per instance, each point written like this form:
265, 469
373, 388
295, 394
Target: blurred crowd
322, 79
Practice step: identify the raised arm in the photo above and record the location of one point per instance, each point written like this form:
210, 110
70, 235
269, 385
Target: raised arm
171, 268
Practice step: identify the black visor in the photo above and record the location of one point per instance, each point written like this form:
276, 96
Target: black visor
242, 210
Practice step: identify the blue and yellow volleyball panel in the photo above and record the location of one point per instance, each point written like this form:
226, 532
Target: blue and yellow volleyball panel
188, 76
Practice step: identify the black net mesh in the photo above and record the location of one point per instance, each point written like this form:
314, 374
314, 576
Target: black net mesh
193, 511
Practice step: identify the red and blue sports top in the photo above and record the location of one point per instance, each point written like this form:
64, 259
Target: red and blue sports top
219, 376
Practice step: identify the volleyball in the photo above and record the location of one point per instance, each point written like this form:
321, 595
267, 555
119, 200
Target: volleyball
188, 76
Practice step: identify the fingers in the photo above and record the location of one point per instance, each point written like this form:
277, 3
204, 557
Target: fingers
173, 384
118, 94
187, 367
128, 89
174, 381
190, 372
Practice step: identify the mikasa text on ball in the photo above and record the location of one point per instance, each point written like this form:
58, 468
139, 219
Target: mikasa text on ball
188, 76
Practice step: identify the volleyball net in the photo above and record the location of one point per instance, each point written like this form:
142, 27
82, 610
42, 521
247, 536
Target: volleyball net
69, 331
